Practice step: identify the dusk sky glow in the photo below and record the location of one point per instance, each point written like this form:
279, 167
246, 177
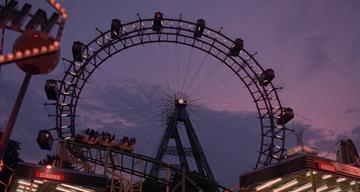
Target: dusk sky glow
313, 46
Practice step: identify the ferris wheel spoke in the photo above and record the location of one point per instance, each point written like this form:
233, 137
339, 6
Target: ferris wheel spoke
148, 68
207, 76
203, 90
212, 137
197, 72
186, 72
220, 124
170, 75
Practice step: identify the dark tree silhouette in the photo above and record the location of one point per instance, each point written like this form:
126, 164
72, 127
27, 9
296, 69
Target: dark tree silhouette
11, 159
49, 160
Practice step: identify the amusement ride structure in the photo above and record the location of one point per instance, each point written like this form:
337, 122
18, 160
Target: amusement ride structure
128, 171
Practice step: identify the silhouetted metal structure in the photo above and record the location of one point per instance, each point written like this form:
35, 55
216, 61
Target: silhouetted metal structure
348, 153
87, 57
180, 115
127, 171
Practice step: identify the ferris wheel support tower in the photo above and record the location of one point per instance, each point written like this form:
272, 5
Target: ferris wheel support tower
195, 151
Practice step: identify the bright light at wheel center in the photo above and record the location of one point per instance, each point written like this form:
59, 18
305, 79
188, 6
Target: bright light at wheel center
181, 101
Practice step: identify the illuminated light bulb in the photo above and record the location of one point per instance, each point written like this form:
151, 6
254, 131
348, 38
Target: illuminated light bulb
339, 180
52, 48
62, 10
22, 187
64, 15
48, 167
326, 177
2, 58
38, 181
267, 184
56, 43
335, 190
352, 183
18, 54
76, 188
57, 6
62, 189
302, 188
322, 188
52, 2
286, 185
35, 50
181, 101
309, 173
44, 49
27, 183
35, 35
27, 52
10, 56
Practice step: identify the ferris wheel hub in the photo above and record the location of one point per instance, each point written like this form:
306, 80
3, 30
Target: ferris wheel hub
181, 101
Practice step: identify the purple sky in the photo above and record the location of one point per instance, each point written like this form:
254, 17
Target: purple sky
313, 46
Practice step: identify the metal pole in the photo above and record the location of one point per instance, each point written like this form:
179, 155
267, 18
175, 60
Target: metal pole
2, 39
13, 115
183, 180
312, 179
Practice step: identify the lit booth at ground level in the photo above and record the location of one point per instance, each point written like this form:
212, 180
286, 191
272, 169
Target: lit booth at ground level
303, 173
36, 178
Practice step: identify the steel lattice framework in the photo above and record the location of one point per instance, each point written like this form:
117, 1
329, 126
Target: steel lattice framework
88, 157
176, 31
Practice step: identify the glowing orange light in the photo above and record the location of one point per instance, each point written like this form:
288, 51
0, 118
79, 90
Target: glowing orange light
18, 54
1, 165
35, 50
2, 58
36, 35
56, 43
44, 49
51, 48
62, 10
10, 56
27, 52
57, 6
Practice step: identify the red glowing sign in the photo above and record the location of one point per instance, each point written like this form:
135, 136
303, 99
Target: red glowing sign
50, 176
327, 166
338, 167
348, 169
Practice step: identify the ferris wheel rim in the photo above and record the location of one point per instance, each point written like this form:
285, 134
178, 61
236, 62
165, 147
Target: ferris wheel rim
266, 152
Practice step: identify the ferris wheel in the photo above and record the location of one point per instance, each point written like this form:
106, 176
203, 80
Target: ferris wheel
148, 83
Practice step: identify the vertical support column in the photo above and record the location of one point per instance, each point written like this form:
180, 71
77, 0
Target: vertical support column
183, 181
357, 186
312, 180
61, 152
